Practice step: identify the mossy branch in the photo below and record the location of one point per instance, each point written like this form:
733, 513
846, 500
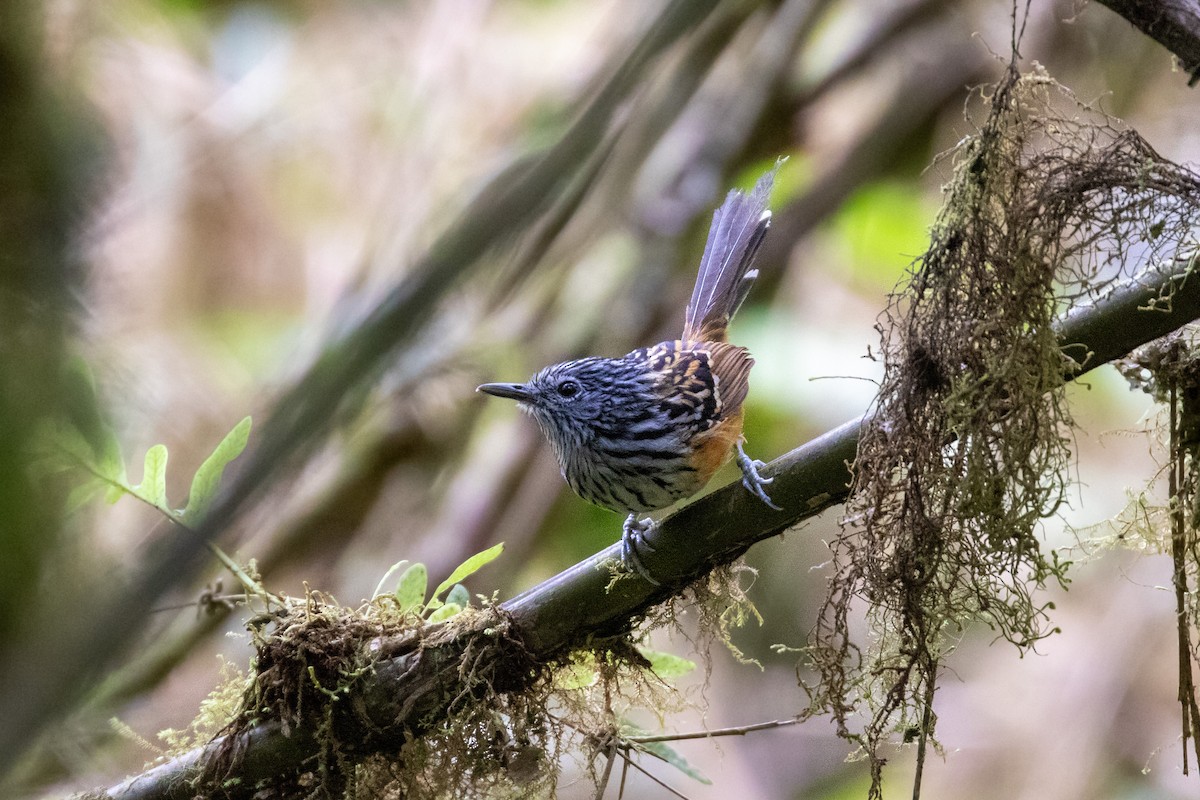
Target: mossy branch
413, 689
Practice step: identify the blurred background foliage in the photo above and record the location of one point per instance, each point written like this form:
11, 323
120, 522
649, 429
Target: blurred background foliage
244, 181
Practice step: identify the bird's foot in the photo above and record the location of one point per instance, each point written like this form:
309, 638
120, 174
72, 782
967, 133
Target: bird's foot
633, 539
752, 480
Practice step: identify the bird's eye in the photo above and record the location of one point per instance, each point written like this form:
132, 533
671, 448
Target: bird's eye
567, 388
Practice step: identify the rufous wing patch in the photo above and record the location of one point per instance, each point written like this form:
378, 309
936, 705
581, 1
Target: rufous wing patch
730, 365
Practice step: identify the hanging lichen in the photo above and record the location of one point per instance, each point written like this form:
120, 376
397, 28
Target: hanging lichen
969, 446
1169, 370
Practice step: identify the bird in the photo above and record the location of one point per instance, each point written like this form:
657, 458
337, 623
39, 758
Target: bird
641, 432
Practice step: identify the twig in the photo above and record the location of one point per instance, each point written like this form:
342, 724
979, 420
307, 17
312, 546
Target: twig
740, 730
630, 762
602, 784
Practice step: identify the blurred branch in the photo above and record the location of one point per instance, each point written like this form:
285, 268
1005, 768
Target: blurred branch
411, 691
721, 122
919, 95
884, 30
47, 163
1175, 24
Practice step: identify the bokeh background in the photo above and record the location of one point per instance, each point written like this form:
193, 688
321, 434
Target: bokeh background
267, 171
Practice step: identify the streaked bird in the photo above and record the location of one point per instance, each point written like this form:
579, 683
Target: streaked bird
641, 432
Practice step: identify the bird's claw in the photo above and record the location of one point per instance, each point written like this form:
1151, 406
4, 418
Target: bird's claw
752, 480
633, 539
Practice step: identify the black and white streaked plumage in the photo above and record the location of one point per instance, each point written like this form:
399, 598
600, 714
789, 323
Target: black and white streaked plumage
641, 432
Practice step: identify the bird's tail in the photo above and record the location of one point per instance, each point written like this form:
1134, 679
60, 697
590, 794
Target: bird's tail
726, 273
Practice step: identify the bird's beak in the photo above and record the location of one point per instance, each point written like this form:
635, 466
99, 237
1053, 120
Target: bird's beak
513, 391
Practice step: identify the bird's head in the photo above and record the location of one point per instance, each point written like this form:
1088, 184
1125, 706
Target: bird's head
566, 399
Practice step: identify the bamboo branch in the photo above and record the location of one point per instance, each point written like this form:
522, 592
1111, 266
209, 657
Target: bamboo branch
412, 691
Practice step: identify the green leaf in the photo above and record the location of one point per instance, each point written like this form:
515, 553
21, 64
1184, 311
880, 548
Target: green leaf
469, 567
661, 750
410, 589
85, 417
459, 595
445, 612
110, 462
153, 488
83, 493
208, 477
66, 448
666, 665
63, 447
392, 570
